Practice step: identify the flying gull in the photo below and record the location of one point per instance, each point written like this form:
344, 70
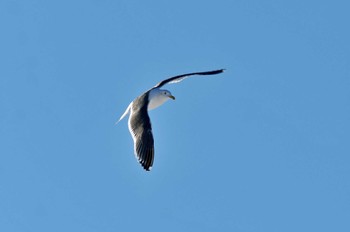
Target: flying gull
139, 122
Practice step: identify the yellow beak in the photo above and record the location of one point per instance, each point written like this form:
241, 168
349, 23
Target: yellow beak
172, 97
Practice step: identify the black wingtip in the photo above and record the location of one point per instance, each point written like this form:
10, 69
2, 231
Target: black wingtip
147, 168
213, 72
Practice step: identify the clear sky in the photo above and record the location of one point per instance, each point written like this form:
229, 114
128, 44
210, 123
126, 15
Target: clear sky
262, 147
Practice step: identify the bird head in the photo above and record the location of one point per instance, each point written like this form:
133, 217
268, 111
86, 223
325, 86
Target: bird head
168, 94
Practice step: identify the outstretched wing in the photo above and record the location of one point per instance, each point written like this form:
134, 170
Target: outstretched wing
183, 76
141, 130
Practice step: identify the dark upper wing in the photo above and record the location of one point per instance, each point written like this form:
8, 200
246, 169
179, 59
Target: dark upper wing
141, 130
183, 76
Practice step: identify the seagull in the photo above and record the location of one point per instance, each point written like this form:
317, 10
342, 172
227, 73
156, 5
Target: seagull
139, 122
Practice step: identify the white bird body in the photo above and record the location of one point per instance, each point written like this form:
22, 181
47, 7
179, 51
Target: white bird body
156, 98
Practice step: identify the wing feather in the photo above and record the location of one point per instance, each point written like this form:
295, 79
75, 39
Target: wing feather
179, 78
141, 130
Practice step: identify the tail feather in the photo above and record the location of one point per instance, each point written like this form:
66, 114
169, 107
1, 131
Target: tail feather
127, 111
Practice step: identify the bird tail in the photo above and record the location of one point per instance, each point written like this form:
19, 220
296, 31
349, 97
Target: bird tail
125, 113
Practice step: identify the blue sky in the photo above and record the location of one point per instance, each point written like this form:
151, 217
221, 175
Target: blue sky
262, 147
